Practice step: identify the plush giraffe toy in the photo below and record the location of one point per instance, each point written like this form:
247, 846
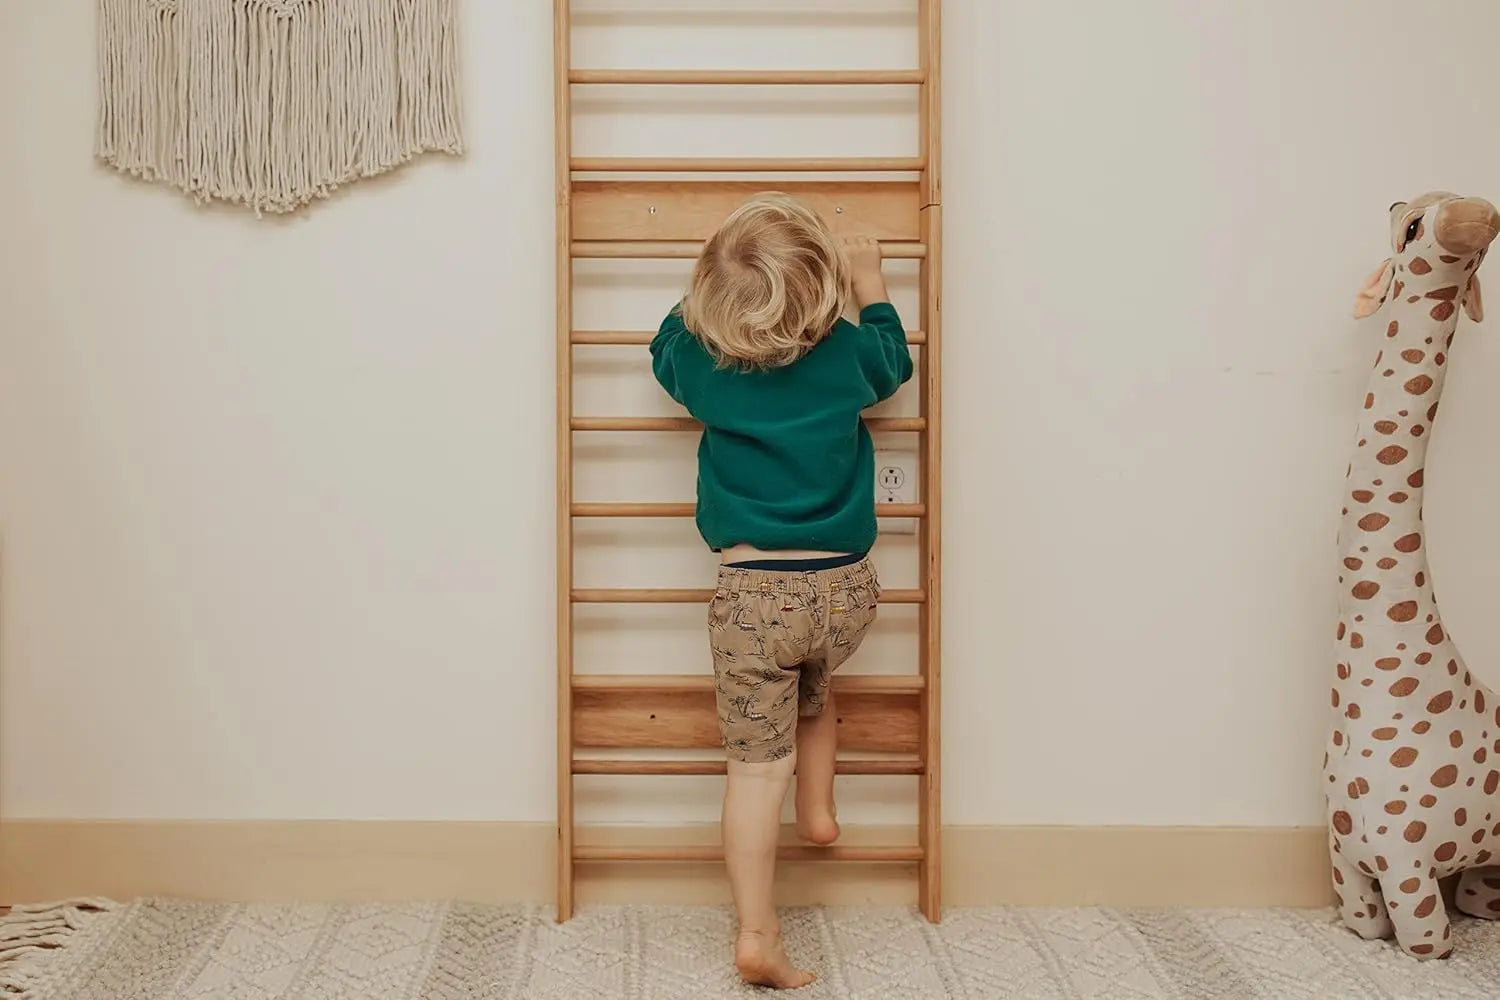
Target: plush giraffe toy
1413, 762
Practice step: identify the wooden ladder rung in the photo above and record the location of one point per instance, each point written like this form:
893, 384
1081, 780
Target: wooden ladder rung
881, 424
714, 853
750, 77
642, 338
747, 164
667, 595
688, 250
894, 684
688, 509
712, 767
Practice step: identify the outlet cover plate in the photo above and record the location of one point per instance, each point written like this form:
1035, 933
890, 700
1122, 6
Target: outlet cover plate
896, 481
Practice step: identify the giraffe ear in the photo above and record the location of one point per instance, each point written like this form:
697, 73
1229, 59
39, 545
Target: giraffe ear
1473, 303
1370, 297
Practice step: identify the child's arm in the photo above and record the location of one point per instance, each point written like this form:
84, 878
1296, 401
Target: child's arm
673, 352
883, 353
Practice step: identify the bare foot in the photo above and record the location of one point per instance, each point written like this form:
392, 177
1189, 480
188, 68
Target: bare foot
762, 962
817, 826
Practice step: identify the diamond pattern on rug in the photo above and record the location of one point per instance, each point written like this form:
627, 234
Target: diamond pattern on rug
168, 950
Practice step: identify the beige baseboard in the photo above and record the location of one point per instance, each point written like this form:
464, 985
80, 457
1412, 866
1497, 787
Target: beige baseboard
512, 862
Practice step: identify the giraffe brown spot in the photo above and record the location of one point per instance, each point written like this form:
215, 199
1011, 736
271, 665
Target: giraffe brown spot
1386, 563
1413, 298
1481, 755
1479, 702
1363, 496
1386, 426
1338, 876
1460, 817
1365, 589
1403, 612
1335, 697
1420, 579
1427, 905
1439, 358
1417, 430
1382, 863
1421, 949
1350, 563
1456, 739
1442, 311
1404, 687
1356, 641
1411, 885
1408, 543
1369, 400
1415, 831
1395, 807
1445, 776
1390, 454
1453, 667
1424, 658
1404, 757
1338, 741
1427, 801
1446, 851
1417, 386
1491, 782
1435, 635
1448, 293
1352, 711
1448, 258
1432, 413
1343, 823
1364, 786
1397, 290
1420, 266
1385, 733
1412, 355
1388, 662
1415, 480
1421, 727
1374, 521
1343, 671
1482, 857
1441, 702
1390, 331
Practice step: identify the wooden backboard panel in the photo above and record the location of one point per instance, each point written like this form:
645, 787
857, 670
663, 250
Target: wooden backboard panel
686, 720
692, 210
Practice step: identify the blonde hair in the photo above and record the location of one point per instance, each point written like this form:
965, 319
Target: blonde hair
770, 284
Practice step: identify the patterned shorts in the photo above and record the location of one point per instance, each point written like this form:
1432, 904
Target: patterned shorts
776, 638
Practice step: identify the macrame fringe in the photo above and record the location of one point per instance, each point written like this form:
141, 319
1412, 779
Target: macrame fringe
30, 935
272, 103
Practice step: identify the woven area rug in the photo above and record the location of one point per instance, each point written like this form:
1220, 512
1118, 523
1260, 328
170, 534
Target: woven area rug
170, 950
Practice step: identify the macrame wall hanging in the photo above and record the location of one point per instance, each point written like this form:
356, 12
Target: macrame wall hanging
272, 103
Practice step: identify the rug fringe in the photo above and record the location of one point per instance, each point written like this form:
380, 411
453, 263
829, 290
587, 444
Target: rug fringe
33, 933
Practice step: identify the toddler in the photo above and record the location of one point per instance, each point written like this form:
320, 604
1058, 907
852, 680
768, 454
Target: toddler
759, 352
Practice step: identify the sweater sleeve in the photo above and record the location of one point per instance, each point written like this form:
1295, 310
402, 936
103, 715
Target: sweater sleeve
884, 356
668, 363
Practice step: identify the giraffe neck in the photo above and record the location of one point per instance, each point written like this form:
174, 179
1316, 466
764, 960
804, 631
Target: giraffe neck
1382, 546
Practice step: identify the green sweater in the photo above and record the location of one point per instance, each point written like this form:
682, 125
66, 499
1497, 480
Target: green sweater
785, 461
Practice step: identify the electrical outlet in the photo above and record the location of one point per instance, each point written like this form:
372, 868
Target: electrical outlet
896, 481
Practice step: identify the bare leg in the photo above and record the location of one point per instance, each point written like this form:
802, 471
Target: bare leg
753, 795
817, 748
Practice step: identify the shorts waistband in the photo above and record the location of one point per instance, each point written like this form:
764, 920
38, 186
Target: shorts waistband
738, 579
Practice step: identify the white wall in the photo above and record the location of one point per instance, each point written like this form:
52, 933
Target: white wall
276, 500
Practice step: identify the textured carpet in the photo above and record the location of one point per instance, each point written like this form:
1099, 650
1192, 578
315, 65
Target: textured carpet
168, 950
